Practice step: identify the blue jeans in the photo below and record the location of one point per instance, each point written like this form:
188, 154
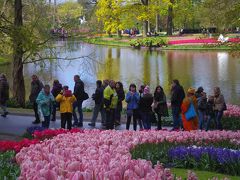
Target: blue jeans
176, 117
54, 110
98, 108
46, 122
218, 115
201, 116
78, 105
209, 119
146, 116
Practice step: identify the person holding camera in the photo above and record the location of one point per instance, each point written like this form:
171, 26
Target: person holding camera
98, 98
66, 100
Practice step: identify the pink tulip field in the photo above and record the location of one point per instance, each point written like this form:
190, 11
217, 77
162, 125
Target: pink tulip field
95, 154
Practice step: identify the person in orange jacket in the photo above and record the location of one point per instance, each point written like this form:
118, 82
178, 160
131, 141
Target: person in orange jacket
191, 124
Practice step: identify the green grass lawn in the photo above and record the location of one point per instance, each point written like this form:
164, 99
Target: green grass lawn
125, 42
202, 175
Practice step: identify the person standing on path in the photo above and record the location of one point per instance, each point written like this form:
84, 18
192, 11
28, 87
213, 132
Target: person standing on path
160, 105
98, 98
121, 97
132, 99
36, 87
56, 89
66, 100
145, 107
4, 94
110, 104
177, 97
45, 102
79, 94
219, 107
189, 124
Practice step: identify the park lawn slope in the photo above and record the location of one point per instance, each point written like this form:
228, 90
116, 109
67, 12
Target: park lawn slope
202, 175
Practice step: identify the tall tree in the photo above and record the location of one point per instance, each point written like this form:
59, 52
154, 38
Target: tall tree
18, 79
170, 18
110, 12
145, 22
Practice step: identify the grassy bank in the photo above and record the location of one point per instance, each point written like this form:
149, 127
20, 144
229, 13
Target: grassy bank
125, 42
107, 41
202, 175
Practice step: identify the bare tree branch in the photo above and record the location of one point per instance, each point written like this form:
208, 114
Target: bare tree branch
87, 57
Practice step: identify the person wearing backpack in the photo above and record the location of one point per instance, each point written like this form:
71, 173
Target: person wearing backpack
80, 95
191, 100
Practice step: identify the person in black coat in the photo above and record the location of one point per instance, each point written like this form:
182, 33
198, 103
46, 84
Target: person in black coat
210, 112
145, 107
177, 97
36, 87
160, 105
79, 94
121, 97
98, 98
56, 89
4, 94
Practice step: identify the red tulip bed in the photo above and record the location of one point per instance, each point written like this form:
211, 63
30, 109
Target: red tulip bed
200, 41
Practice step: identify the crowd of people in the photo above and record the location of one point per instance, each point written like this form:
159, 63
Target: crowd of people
190, 111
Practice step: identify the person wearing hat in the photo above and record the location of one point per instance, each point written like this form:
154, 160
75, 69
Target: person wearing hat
145, 107
66, 100
189, 124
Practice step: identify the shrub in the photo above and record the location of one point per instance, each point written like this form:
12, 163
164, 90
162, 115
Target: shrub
149, 42
8, 167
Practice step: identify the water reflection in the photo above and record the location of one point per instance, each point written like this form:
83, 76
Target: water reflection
192, 68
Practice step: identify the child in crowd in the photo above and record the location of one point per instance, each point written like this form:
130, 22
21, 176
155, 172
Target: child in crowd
210, 111
66, 100
202, 107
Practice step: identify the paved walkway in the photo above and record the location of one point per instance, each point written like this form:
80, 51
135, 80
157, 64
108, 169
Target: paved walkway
16, 125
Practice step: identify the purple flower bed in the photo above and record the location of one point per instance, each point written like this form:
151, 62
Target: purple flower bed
217, 159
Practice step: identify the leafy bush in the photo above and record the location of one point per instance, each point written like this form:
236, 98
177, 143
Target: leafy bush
149, 42
231, 123
8, 167
12, 103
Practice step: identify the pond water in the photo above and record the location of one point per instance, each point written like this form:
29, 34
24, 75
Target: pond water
192, 68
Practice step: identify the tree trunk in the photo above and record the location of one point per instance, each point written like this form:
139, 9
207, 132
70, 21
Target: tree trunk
170, 20
149, 26
145, 28
18, 79
119, 33
145, 23
157, 22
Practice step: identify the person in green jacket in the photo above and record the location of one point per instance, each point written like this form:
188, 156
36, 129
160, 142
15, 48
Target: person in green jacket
45, 102
110, 103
